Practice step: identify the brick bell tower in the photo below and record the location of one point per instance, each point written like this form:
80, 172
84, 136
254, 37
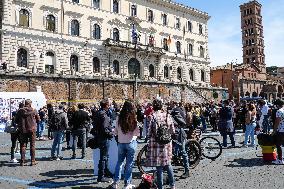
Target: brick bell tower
252, 35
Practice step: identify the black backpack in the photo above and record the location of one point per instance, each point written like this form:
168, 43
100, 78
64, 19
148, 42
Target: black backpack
163, 135
56, 121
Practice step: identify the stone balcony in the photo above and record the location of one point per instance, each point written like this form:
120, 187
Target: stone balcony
131, 46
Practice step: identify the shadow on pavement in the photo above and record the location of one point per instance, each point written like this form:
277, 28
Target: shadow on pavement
254, 162
77, 178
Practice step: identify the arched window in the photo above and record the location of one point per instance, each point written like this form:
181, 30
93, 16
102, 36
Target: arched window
115, 6
178, 47
150, 16
22, 58
200, 29
96, 4
49, 62
179, 74
166, 72
190, 49
115, 34
97, 32
50, 23
151, 71
134, 67
202, 76
189, 26
75, 27
191, 76
24, 19
201, 52
74, 63
133, 10
116, 67
96, 65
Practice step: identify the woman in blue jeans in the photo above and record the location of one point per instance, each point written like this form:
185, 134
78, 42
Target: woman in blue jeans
250, 125
127, 131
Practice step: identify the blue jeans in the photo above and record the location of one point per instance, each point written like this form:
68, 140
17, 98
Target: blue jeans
265, 124
203, 122
125, 151
180, 150
58, 137
231, 135
79, 133
250, 132
40, 128
170, 172
104, 156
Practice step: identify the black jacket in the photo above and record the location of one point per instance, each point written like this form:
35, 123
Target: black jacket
80, 120
102, 125
178, 117
59, 121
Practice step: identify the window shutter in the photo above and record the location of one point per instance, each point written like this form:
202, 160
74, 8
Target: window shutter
175, 22
147, 14
130, 9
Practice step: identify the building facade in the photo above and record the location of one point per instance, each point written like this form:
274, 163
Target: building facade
246, 79
153, 40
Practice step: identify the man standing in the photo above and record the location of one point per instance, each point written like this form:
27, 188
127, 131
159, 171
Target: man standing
103, 129
27, 119
80, 122
41, 125
59, 124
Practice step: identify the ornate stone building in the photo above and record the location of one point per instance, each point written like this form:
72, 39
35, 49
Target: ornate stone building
155, 40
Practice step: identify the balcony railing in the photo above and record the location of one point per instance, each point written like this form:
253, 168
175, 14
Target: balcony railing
129, 45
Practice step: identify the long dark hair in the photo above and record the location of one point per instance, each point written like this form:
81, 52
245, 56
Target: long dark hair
127, 118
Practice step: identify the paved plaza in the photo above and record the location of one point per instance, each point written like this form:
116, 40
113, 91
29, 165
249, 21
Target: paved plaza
236, 168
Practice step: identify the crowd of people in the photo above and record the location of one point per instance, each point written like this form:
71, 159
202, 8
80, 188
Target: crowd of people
130, 120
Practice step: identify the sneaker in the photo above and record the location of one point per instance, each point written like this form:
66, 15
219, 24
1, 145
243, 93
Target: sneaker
105, 179
33, 163
245, 146
53, 158
185, 175
278, 162
58, 159
129, 186
14, 160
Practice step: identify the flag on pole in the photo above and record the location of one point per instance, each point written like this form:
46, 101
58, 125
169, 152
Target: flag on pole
134, 34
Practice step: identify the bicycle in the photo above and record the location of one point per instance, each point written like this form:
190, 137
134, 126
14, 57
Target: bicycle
193, 149
211, 147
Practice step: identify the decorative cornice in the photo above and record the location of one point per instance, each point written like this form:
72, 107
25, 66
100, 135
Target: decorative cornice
93, 18
71, 13
45, 7
22, 2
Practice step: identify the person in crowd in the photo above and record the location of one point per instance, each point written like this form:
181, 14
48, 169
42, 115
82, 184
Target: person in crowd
278, 131
140, 119
250, 125
243, 112
213, 117
148, 113
27, 119
70, 112
41, 125
264, 118
179, 118
226, 126
80, 122
127, 131
103, 129
158, 155
15, 134
49, 114
59, 123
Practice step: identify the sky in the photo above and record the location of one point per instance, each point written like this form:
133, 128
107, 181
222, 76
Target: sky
225, 43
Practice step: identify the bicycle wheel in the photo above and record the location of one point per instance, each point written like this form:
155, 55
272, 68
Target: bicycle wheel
211, 147
193, 149
142, 160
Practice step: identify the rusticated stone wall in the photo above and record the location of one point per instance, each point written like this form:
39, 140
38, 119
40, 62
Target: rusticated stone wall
90, 90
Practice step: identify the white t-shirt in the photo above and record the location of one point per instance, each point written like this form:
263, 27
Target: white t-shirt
264, 110
280, 114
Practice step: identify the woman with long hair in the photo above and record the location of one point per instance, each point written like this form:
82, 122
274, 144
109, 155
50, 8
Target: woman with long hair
127, 131
250, 124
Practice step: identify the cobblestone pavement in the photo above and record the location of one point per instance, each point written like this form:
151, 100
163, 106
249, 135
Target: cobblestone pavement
236, 168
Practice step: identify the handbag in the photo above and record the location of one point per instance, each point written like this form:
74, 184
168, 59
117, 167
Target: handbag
10, 128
